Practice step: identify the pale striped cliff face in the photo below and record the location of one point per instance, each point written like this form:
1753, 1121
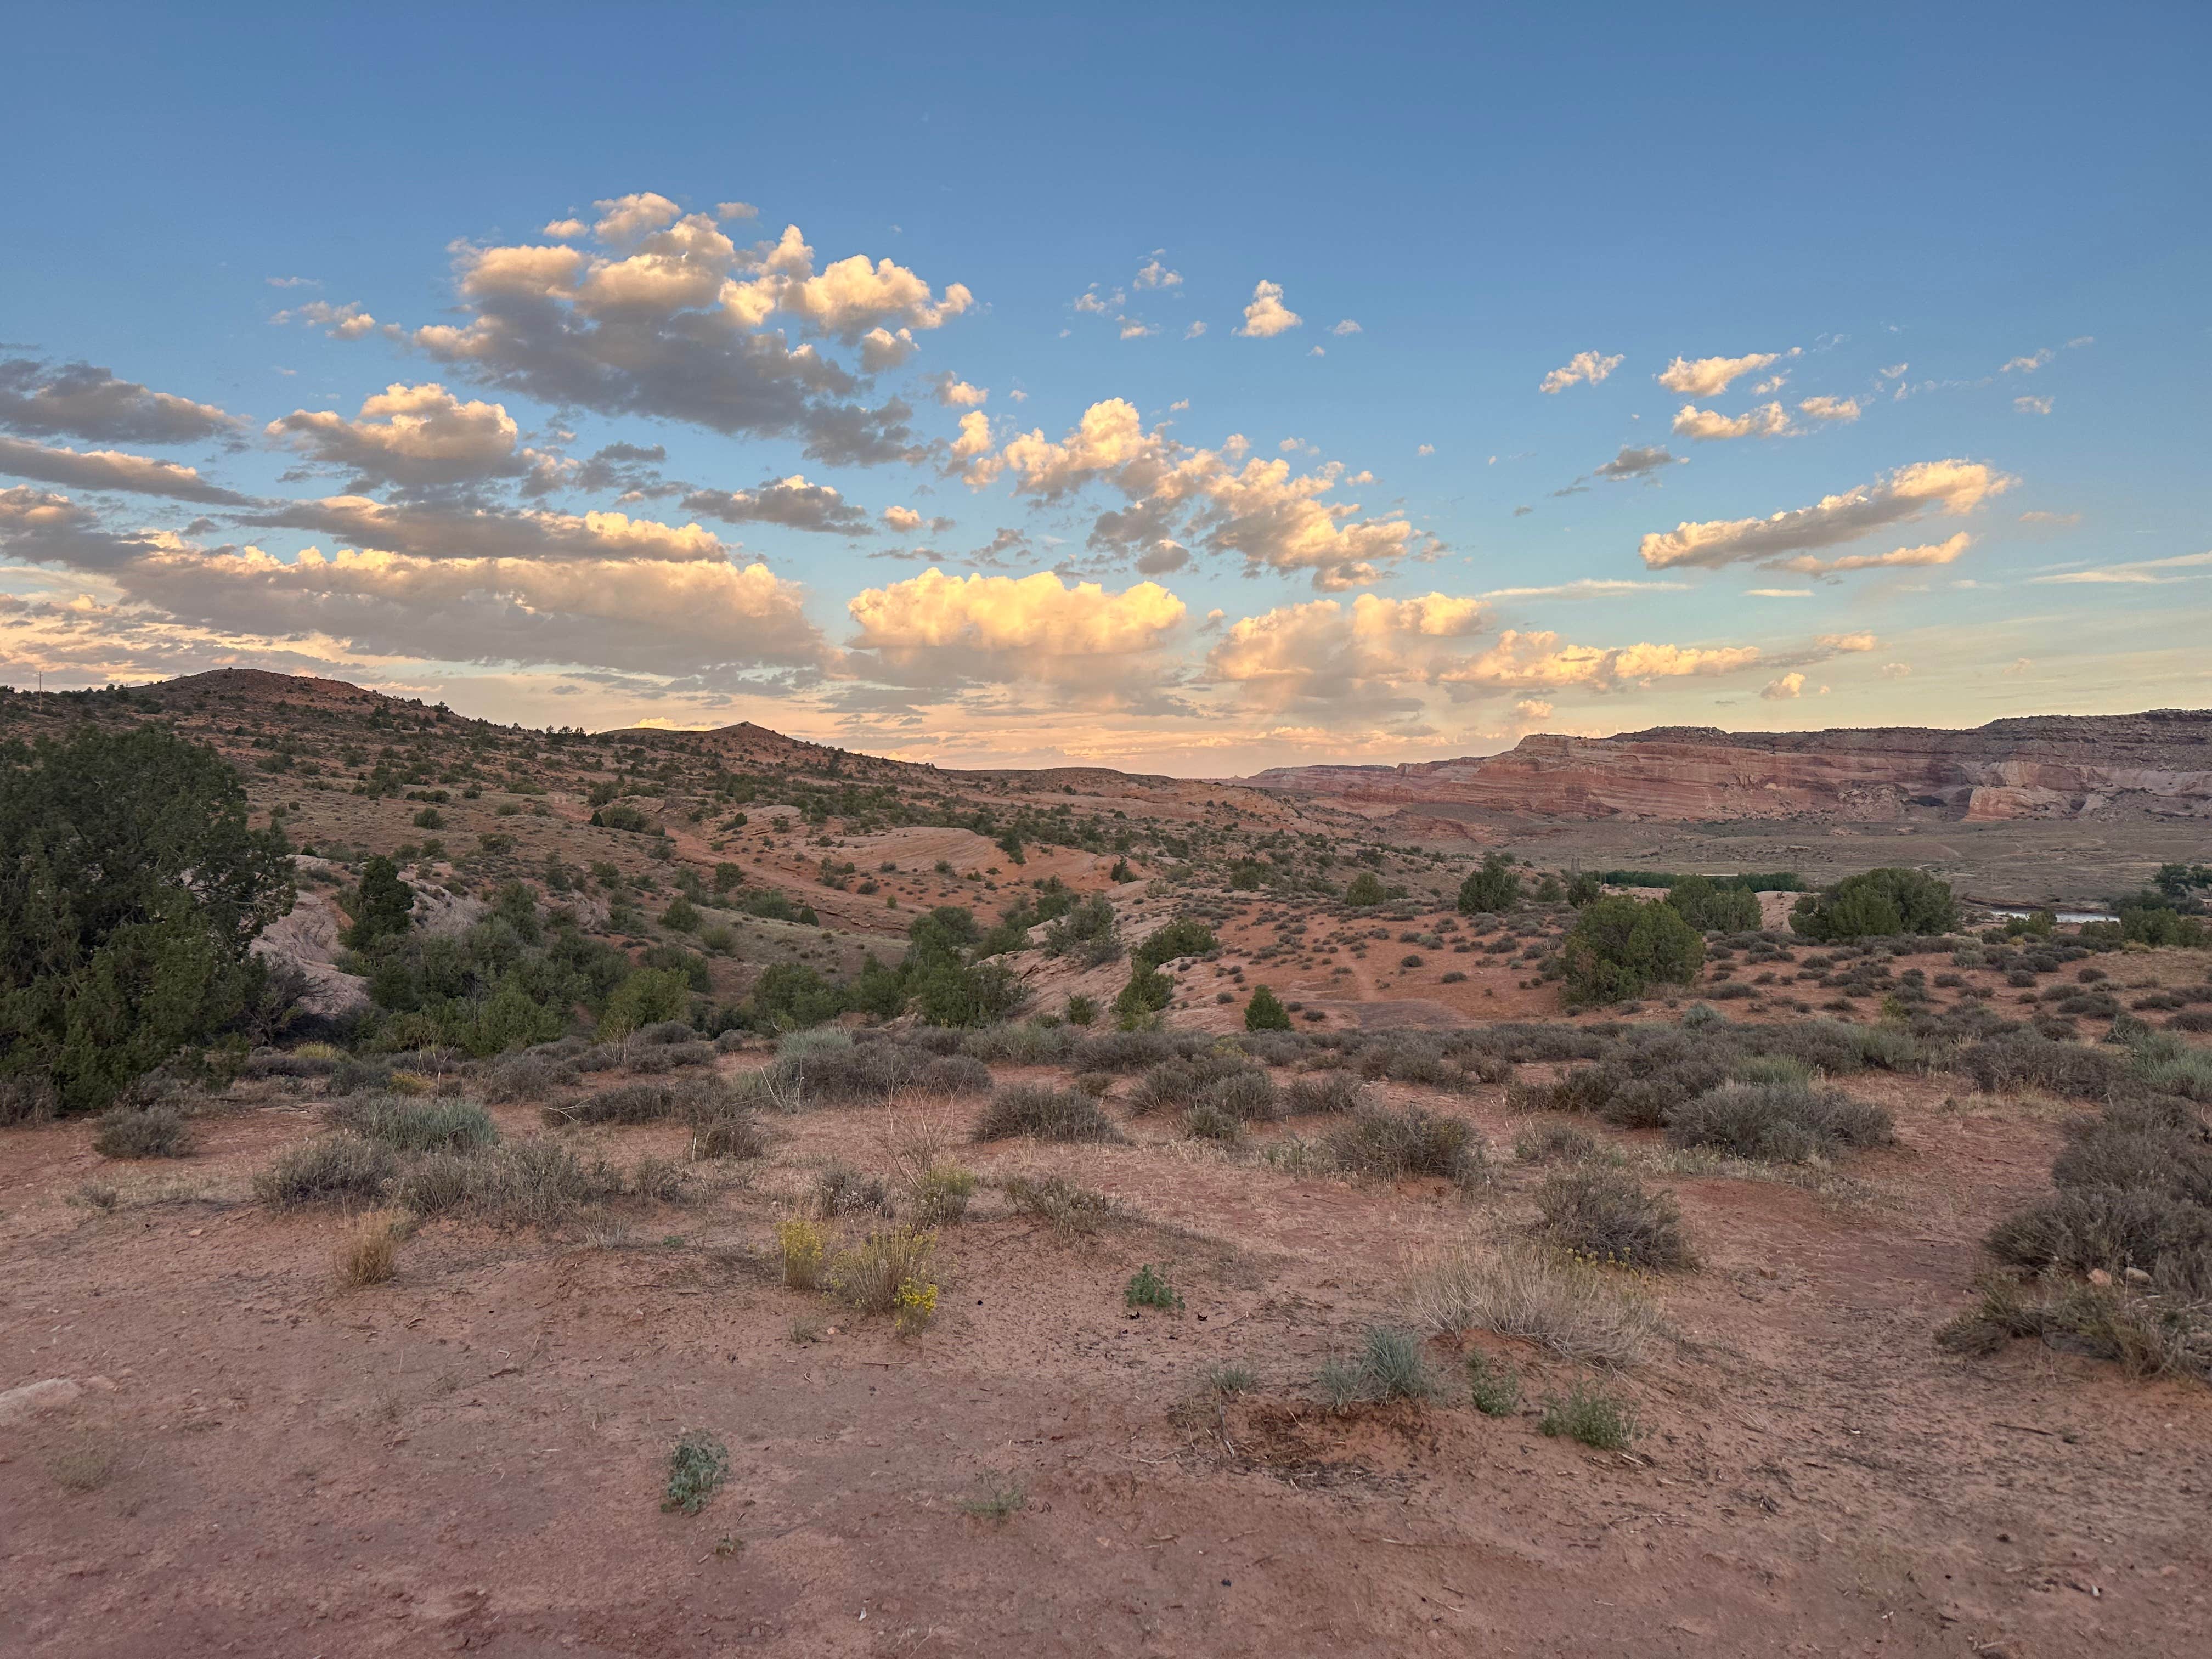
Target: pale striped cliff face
2045, 767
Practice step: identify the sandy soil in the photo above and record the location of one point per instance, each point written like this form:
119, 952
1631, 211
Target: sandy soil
471, 1455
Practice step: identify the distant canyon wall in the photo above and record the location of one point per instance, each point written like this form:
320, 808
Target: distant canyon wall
2044, 766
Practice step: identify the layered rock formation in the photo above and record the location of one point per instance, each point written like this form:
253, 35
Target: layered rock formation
2042, 766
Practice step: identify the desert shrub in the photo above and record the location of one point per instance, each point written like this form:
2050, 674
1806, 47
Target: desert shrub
1557, 1143
1081, 1010
870, 1276
2113, 1229
1366, 889
1394, 1366
1123, 1051
1265, 1014
1609, 1216
1772, 1068
368, 1252
1493, 886
2025, 1061
526, 1076
625, 1102
409, 1125
1047, 1114
697, 1469
1877, 904
1022, 1042
732, 1133
1493, 1389
1185, 936
1204, 1123
941, 1195
835, 1074
27, 1097
1392, 1144
330, 1169
1620, 947
1320, 1091
1591, 1415
1148, 1287
2149, 1336
1564, 1305
1087, 933
1709, 909
142, 1132
805, 1250
839, 1189
1787, 1123
1058, 1202
2167, 1063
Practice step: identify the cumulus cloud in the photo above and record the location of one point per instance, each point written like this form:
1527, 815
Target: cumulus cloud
1268, 316
110, 469
933, 629
670, 318
1708, 377
82, 400
1705, 425
1583, 368
954, 393
1942, 552
904, 519
345, 322
1195, 332
1533, 709
1632, 463
40, 528
411, 436
792, 502
1896, 670
564, 230
1782, 690
1347, 327
2031, 405
1358, 657
1153, 274
1949, 486
1830, 409
1542, 660
1162, 556
1258, 510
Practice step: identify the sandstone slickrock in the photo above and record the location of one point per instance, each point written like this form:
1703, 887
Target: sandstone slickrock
2042, 766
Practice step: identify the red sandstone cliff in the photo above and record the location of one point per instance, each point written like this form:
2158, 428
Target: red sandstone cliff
2044, 766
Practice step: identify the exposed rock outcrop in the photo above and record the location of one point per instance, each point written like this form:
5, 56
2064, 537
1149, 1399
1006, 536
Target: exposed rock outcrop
2044, 766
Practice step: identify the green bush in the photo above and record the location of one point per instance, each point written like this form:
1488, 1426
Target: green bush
1265, 1014
379, 905
131, 887
1592, 1416
1493, 887
1366, 889
697, 1469
1711, 909
1184, 937
1620, 947
408, 1125
334, 1169
1149, 1288
1877, 904
647, 997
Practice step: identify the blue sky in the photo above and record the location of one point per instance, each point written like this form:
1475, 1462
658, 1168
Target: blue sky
1884, 203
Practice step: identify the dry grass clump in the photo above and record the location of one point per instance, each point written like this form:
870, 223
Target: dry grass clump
1787, 1122
369, 1250
27, 1097
1046, 1113
1567, 1306
519, 1184
870, 1276
527, 1077
841, 1189
1319, 1093
829, 1072
1393, 1144
640, 1102
148, 1132
1609, 1216
1064, 1206
2147, 1335
411, 1125
917, 1152
329, 1169
2010, 1064
735, 1132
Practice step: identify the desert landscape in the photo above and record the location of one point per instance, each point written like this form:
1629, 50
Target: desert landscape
692, 1192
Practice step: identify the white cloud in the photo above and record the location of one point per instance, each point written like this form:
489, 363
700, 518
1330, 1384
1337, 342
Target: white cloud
1268, 316
1705, 425
439, 532
1533, 709
1132, 330
1588, 587
2032, 405
1354, 658
1831, 408
1778, 593
2030, 363
410, 435
1949, 486
954, 393
1782, 690
1708, 377
1153, 274
881, 349
1896, 670
1425, 449
904, 519
1931, 553
1895, 371
1347, 327
564, 230
1538, 660
2140, 573
936, 629
1633, 463
727, 210
345, 322
1195, 332
1585, 367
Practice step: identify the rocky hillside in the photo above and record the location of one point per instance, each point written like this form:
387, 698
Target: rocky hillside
2044, 766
